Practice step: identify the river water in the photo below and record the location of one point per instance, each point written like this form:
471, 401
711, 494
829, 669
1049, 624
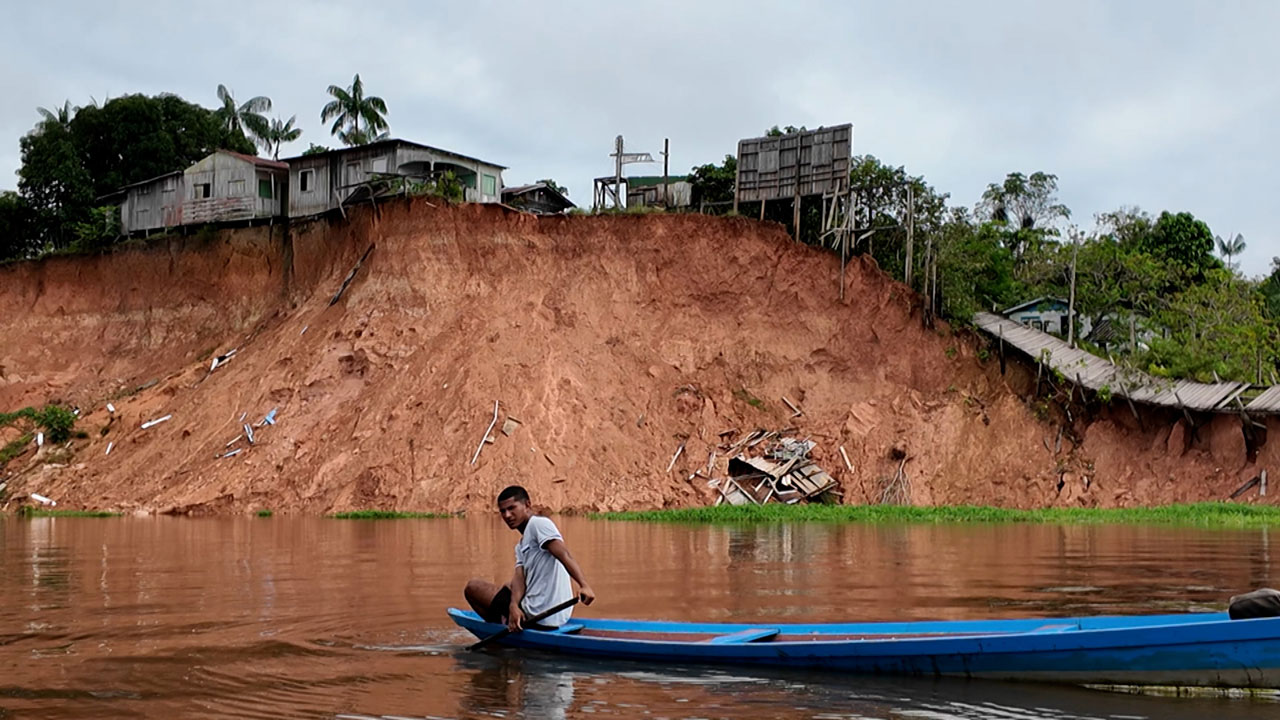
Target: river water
318, 618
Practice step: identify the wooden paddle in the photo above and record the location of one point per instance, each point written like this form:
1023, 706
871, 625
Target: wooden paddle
527, 621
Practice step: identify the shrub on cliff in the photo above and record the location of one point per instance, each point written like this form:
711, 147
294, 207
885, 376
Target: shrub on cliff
54, 420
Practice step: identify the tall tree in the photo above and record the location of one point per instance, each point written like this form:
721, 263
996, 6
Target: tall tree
280, 133
16, 227
349, 109
54, 182
246, 117
1230, 247
1026, 207
1185, 242
60, 116
713, 183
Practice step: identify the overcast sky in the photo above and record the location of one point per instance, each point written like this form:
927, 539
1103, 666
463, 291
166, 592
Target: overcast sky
1166, 105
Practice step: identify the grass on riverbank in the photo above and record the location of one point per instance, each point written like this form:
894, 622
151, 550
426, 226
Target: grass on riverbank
387, 515
28, 511
1225, 515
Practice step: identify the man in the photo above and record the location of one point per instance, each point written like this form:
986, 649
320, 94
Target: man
543, 569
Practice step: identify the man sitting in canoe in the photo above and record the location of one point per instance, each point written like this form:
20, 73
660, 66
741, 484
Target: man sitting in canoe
541, 578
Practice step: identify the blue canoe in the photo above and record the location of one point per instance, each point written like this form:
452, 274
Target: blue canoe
1199, 649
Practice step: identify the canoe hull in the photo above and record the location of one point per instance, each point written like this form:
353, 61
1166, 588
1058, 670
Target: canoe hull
1199, 650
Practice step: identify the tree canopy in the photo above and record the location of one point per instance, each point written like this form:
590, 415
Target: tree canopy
349, 108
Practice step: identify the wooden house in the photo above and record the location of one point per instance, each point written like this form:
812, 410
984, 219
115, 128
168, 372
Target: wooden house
323, 181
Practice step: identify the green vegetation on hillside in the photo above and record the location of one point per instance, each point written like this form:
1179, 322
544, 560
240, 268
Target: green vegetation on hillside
387, 515
1214, 515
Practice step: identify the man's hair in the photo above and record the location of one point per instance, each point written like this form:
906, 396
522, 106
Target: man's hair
514, 492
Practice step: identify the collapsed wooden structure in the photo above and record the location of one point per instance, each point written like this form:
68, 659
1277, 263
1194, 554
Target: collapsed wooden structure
781, 472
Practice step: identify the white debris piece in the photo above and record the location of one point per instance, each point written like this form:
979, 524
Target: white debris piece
111, 408
157, 421
43, 499
39, 439
109, 446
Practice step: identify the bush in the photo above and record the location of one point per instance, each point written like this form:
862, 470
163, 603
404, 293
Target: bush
56, 421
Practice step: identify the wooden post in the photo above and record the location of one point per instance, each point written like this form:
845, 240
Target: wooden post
796, 213
761, 209
737, 176
1071, 304
666, 187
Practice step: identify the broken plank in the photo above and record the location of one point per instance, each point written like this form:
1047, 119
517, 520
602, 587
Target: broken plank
795, 411
674, 457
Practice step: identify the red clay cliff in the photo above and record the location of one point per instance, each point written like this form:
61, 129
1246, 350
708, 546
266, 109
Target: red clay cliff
611, 340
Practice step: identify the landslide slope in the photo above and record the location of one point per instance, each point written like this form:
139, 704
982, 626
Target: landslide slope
611, 340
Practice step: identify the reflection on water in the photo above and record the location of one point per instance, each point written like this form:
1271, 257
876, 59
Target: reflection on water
281, 617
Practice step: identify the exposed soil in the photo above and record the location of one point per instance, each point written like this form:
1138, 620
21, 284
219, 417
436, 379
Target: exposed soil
611, 340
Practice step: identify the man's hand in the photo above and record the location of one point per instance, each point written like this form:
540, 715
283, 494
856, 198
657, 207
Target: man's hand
515, 619
586, 594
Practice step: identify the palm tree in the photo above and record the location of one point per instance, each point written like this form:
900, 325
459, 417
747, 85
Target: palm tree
246, 118
280, 133
348, 108
1230, 248
59, 116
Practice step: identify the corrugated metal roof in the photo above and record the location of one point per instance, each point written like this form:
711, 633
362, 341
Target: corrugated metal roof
1267, 402
1095, 373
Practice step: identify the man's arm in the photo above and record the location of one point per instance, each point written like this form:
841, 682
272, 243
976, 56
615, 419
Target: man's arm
515, 616
561, 552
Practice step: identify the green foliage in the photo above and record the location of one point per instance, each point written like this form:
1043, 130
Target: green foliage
17, 228
280, 132
55, 421
1104, 394
1182, 241
14, 448
31, 511
349, 108
713, 183
1270, 291
54, 182
263, 513
386, 515
743, 395
1217, 327
314, 149
99, 230
246, 118
975, 269
1211, 515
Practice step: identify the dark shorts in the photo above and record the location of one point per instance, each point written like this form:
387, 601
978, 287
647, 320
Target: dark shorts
497, 612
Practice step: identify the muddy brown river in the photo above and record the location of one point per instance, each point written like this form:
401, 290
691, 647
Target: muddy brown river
317, 618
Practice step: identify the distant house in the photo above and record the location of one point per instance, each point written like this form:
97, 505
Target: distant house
230, 186
651, 190
153, 204
1047, 314
537, 198
323, 181
225, 186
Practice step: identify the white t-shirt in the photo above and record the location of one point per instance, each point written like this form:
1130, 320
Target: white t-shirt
546, 582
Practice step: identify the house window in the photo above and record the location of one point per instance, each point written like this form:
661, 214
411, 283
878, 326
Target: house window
266, 190
144, 190
490, 186
168, 188
1035, 323
200, 191
306, 181
380, 165
235, 188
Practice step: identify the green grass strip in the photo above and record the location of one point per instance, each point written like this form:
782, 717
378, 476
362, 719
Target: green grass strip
386, 515
1213, 514
263, 513
27, 511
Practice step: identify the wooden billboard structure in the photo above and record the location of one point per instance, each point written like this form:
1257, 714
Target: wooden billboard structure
795, 166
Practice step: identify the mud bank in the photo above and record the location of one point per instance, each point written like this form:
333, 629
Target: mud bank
611, 340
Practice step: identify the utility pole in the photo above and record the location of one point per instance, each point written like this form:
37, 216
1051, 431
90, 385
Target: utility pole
666, 187
911, 221
1071, 303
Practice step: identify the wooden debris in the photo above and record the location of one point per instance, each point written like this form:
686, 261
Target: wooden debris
488, 430
795, 411
350, 276
1262, 488
157, 421
845, 455
548, 458
1245, 487
510, 426
674, 457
